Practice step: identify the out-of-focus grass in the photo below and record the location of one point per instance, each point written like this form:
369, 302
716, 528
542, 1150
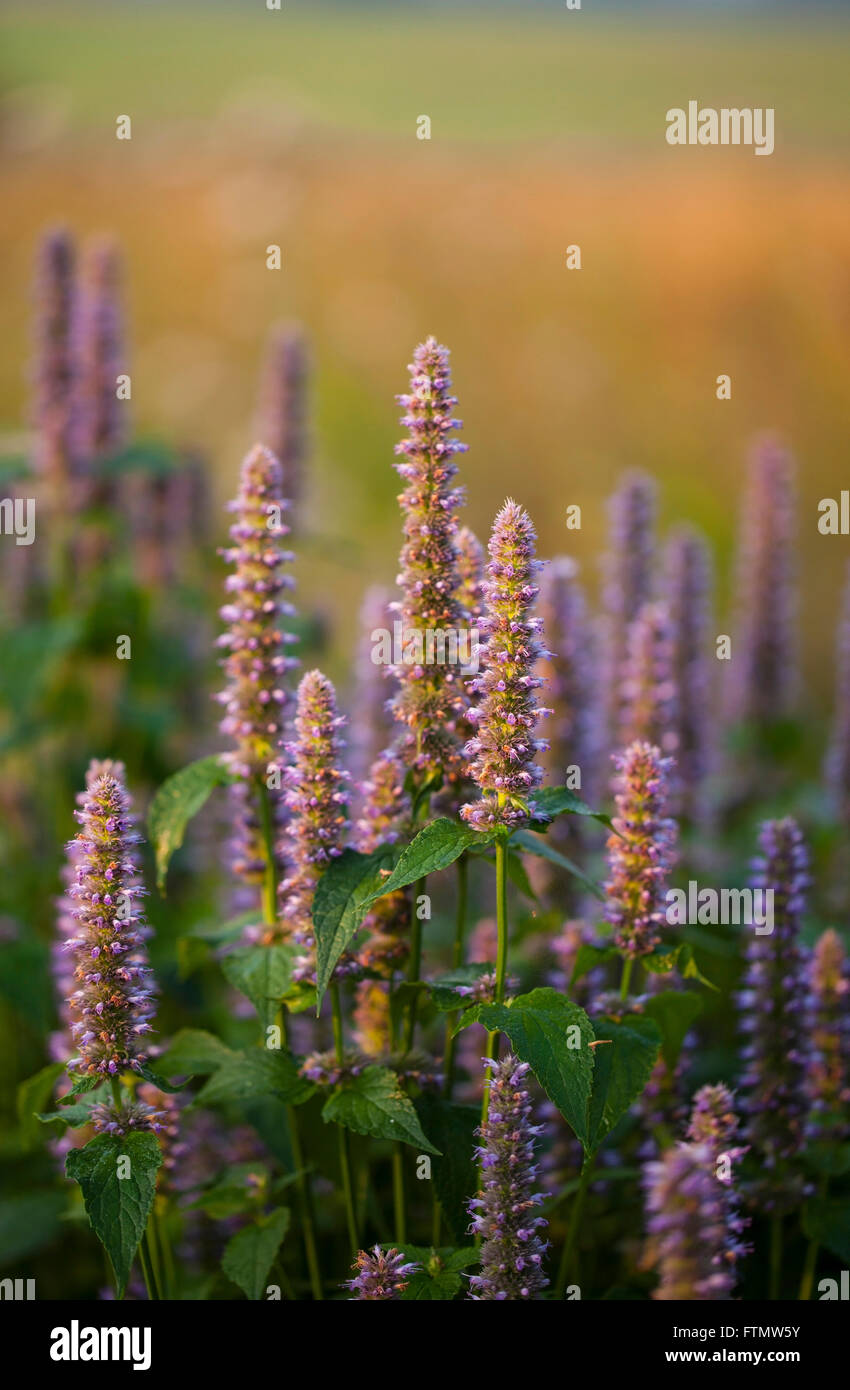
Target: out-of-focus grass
300, 130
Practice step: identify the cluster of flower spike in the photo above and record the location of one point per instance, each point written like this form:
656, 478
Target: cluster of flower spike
111, 1005
640, 853
316, 803
688, 585
687, 1226
381, 1274
503, 1213
54, 288
430, 696
282, 407
504, 750
648, 695
772, 1012
255, 662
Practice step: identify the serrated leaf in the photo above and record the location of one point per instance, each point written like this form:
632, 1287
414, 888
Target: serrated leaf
454, 1174
435, 848
179, 799
624, 1059
674, 1011
194, 1052
467, 1018
118, 1208
263, 974
551, 802
340, 903
72, 1117
250, 1254
373, 1103
827, 1220
81, 1086
256, 1072
533, 844
537, 1025
33, 1095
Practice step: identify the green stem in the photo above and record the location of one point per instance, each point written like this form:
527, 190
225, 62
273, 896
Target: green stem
415, 963
146, 1271
344, 1154
269, 892
775, 1257
399, 1201
628, 962
573, 1228
457, 962
149, 1242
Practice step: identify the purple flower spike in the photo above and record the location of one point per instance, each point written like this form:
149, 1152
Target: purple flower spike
504, 750
714, 1127
568, 671
838, 758
372, 724
688, 1226
688, 585
52, 369
316, 804
100, 423
640, 856
628, 567
255, 661
282, 407
111, 1004
772, 1016
380, 1274
431, 697
649, 698
469, 560
828, 1060
502, 1214
763, 675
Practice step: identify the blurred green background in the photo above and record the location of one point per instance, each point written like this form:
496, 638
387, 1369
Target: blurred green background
298, 127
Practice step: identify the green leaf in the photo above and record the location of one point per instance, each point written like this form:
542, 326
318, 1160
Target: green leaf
624, 1059
168, 1088
256, 1072
454, 1173
444, 987
72, 1117
674, 1011
340, 903
537, 1025
33, 1095
532, 844
467, 1018
250, 1254
439, 1278
561, 801
435, 847
81, 1086
118, 1208
194, 1053
263, 974
179, 799
827, 1220
589, 957
519, 877
373, 1103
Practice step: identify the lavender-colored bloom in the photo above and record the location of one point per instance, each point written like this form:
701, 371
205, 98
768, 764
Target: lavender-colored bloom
763, 674
282, 406
316, 802
503, 752
627, 568
772, 1014
112, 1004
714, 1126
688, 581
502, 1214
255, 663
648, 694
430, 697
372, 724
828, 1058
380, 1274
687, 1227
52, 367
130, 1116
838, 757
100, 423
640, 855
469, 562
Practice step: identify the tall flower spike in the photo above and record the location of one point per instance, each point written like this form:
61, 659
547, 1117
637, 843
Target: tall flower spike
469, 559
255, 646
649, 697
627, 568
381, 1274
431, 697
838, 757
502, 1214
100, 422
282, 406
640, 855
714, 1126
828, 1059
111, 1005
52, 365
316, 801
372, 724
772, 1015
763, 672
688, 582
504, 749
687, 1226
